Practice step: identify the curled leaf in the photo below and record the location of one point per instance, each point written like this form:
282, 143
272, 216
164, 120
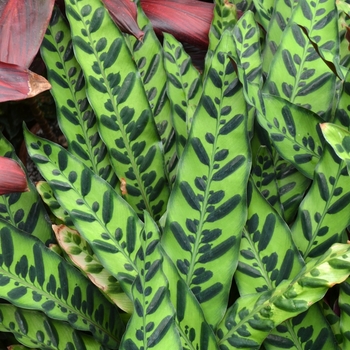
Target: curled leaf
12, 177
186, 20
124, 14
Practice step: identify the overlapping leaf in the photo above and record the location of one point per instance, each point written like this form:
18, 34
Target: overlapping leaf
252, 317
24, 210
194, 330
300, 75
75, 116
292, 186
81, 254
276, 24
324, 212
40, 279
101, 216
308, 330
261, 267
148, 55
344, 304
153, 321
207, 208
184, 89
59, 215
34, 329
264, 177
117, 95
339, 139
294, 132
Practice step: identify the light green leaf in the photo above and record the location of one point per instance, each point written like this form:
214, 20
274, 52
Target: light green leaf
206, 213
34, 329
117, 95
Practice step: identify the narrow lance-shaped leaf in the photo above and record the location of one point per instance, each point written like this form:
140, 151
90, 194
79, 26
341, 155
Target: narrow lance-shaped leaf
100, 215
149, 58
33, 328
117, 95
153, 320
323, 214
206, 213
260, 266
184, 89
190, 321
252, 317
75, 116
301, 75
344, 304
40, 279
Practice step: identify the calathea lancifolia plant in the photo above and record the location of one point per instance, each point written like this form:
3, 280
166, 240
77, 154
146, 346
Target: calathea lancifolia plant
192, 210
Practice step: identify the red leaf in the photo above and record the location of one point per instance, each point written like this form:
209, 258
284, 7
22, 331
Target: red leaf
23, 25
12, 177
124, 14
187, 20
17, 83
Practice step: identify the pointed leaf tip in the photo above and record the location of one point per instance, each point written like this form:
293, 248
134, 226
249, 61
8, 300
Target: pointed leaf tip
124, 14
12, 177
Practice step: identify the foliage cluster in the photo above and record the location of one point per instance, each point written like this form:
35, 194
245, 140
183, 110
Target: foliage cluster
192, 210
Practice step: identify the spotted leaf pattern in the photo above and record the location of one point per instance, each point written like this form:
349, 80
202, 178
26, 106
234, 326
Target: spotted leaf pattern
24, 210
194, 330
262, 267
40, 279
252, 317
149, 58
100, 215
322, 216
184, 88
205, 216
153, 320
344, 304
34, 329
81, 254
303, 147
116, 93
339, 140
302, 75
74, 113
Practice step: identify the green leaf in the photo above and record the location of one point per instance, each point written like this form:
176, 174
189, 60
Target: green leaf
41, 280
184, 88
294, 132
87, 201
253, 316
322, 215
114, 86
24, 210
82, 256
75, 116
196, 215
149, 58
33, 328
304, 73
154, 320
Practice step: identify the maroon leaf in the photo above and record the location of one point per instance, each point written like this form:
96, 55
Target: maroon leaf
187, 20
12, 177
17, 83
23, 25
124, 14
